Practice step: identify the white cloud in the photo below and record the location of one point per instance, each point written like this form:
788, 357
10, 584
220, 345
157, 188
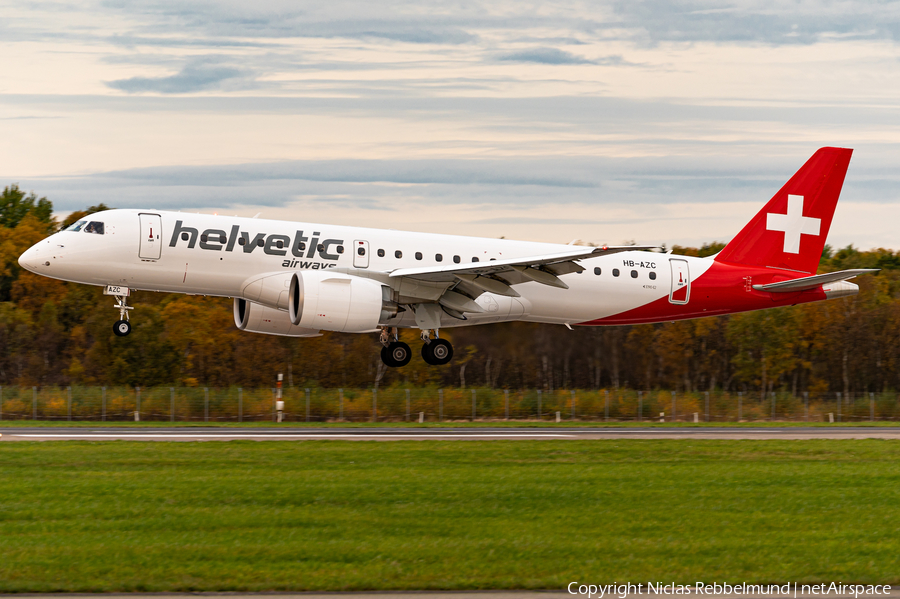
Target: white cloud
534, 120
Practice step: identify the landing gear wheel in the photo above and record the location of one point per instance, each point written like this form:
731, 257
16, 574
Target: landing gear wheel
122, 328
396, 354
386, 358
400, 353
438, 352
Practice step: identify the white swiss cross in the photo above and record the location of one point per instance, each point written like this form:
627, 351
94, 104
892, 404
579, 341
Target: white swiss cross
793, 224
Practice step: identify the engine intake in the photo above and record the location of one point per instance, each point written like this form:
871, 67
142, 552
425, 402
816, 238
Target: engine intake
338, 302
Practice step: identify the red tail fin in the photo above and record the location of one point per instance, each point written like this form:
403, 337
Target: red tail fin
790, 231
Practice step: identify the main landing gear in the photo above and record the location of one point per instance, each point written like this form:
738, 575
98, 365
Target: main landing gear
122, 327
395, 353
437, 351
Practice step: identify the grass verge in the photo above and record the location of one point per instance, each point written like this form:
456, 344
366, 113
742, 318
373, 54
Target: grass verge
332, 515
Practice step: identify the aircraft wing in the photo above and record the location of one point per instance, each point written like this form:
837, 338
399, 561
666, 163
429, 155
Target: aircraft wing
497, 276
814, 281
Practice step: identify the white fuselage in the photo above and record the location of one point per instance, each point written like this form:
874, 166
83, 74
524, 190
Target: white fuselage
204, 255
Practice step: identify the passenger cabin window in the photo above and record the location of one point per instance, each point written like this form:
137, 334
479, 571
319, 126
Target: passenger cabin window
652, 276
474, 258
615, 272
456, 259
94, 227
320, 247
186, 236
260, 242
438, 257
340, 249
241, 240
381, 253
633, 274
418, 255
597, 270
398, 254
76, 226
361, 251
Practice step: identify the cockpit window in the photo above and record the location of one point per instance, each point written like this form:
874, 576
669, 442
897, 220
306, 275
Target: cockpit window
76, 226
94, 227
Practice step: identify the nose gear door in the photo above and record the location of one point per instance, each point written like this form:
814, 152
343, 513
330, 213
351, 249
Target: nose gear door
360, 254
681, 282
151, 236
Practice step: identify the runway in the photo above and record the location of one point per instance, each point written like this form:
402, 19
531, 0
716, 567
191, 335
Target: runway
289, 433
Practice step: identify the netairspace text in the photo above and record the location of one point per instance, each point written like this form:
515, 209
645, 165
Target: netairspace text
623, 590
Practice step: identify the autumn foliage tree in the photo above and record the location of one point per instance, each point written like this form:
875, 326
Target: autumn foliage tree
57, 333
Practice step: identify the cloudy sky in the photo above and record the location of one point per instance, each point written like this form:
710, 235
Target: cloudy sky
658, 122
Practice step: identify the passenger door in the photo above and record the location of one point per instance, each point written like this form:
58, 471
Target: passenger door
360, 254
681, 282
151, 237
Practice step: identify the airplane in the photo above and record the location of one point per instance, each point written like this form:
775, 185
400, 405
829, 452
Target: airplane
298, 279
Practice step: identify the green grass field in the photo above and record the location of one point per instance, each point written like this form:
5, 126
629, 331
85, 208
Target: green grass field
332, 515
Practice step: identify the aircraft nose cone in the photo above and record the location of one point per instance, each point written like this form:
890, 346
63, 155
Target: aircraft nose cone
30, 259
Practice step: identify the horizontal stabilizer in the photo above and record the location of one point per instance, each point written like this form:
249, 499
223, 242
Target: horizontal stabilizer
814, 281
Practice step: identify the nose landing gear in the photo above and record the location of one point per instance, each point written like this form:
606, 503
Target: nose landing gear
122, 327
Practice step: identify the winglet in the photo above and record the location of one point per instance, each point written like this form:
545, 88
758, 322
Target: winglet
790, 231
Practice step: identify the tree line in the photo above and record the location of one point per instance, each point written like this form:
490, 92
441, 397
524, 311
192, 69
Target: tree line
58, 333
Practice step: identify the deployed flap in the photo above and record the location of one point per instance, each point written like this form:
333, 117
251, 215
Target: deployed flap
814, 281
511, 268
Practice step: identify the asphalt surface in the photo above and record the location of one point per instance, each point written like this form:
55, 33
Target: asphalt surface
440, 434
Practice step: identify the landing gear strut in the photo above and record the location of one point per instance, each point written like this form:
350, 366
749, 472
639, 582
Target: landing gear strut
122, 327
437, 351
395, 353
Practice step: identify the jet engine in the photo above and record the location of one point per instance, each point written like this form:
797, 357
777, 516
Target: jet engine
332, 301
256, 318
269, 289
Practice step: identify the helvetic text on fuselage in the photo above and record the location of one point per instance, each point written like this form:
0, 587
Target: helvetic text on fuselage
217, 240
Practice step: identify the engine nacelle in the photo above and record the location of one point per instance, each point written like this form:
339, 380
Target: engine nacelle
269, 289
332, 301
255, 318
